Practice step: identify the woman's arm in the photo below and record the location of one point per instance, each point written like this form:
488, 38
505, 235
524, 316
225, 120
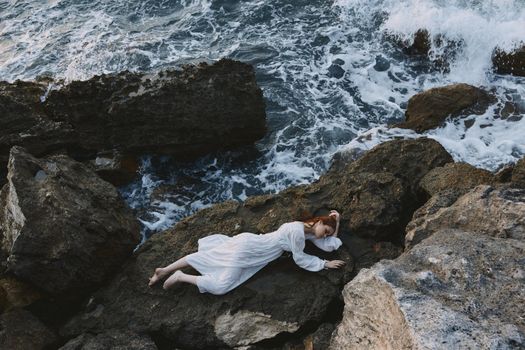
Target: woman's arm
328, 244
337, 216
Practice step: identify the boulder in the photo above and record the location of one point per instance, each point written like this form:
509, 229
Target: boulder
459, 177
378, 193
509, 62
183, 113
112, 339
281, 300
19, 329
497, 211
65, 229
429, 109
454, 290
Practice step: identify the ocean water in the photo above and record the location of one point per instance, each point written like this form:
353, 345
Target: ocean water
332, 74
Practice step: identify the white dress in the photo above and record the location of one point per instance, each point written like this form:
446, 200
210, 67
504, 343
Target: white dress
226, 262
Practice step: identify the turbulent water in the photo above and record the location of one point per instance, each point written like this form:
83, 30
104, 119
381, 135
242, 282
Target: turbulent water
332, 73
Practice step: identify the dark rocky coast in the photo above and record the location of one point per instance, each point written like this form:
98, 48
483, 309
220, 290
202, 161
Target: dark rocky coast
434, 249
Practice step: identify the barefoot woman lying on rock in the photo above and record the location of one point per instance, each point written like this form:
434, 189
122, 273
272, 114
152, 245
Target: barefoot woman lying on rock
226, 262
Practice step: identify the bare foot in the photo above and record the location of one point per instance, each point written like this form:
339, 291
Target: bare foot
159, 273
172, 280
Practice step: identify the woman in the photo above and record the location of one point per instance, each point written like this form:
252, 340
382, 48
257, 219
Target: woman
226, 262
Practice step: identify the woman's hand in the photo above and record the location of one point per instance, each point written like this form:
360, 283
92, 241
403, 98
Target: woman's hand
334, 264
335, 214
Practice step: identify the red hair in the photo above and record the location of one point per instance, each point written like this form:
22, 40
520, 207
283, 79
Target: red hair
327, 220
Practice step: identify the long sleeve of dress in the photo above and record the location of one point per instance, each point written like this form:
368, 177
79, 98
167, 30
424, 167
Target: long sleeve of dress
306, 261
327, 244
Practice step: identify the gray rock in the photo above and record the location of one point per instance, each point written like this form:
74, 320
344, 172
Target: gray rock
454, 290
64, 229
112, 339
495, 211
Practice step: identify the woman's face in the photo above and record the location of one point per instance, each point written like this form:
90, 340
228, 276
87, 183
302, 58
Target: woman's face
321, 230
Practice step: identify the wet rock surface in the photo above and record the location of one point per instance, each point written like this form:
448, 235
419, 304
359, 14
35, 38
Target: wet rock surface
429, 109
64, 229
458, 177
183, 113
456, 289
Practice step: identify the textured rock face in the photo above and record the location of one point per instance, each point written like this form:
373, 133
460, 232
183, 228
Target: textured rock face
509, 62
181, 113
64, 229
113, 339
495, 211
429, 109
21, 330
245, 327
281, 298
459, 177
379, 192
454, 290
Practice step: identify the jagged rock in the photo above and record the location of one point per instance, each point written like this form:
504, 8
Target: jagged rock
459, 177
495, 211
429, 109
19, 329
181, 113
65, 229
112, 339
281, 297
518, 174
438, 201
454, 290
509, 62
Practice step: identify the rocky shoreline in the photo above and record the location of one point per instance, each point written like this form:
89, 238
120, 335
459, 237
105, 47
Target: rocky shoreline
434, 248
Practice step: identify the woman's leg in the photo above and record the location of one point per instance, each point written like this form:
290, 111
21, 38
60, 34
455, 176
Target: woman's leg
162, 272
179, 276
